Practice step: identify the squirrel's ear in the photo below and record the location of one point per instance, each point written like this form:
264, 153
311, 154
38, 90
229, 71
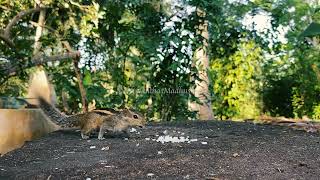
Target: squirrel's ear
126, 110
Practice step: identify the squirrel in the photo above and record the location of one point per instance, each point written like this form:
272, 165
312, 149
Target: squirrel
106, 120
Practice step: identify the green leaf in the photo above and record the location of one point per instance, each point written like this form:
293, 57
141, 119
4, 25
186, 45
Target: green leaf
87, 80
312, 30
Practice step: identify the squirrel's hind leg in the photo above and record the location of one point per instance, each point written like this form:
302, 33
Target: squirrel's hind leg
85, 132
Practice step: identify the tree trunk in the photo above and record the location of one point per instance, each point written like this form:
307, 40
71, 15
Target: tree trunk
83, 91
201, 90
49, 92
39, 30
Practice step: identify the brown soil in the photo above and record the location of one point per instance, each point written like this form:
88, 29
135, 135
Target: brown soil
233, 151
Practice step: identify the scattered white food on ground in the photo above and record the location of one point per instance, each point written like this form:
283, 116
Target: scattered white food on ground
150, 174
105, 148
137, 144
235, 155
103, 161
173, 139
133, 130
92, 147
166, 138
148, 139
88, 178
108, 166
126, 139
159, 152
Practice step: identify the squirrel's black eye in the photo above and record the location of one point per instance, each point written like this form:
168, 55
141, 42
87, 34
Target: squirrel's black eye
135, 116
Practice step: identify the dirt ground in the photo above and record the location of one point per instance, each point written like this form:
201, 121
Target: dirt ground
212, 150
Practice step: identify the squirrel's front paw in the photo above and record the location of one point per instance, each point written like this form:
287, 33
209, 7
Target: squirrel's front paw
83, 136
101, 138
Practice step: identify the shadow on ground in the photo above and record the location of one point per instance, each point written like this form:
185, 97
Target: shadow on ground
218, 150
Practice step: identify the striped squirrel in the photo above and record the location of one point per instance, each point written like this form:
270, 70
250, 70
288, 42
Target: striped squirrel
112, 120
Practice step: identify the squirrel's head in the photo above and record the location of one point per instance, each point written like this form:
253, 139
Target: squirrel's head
134, 118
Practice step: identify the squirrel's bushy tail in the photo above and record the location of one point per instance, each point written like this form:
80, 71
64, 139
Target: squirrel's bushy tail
53, 113
42, 93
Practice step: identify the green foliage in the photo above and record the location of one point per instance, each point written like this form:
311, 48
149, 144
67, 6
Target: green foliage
307, 77
130, 46
312, 30
297, 103
13, 87
63, 78
316, 113
277, 97
235, 83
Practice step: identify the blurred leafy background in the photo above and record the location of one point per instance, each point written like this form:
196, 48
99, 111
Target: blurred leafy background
262, 58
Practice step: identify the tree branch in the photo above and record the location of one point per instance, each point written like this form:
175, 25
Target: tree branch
39, 31
7, 40
6, 33
82, 89
11, 70
19, 16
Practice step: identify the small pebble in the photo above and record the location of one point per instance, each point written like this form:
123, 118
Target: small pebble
105, 148
204, 143
92, 147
